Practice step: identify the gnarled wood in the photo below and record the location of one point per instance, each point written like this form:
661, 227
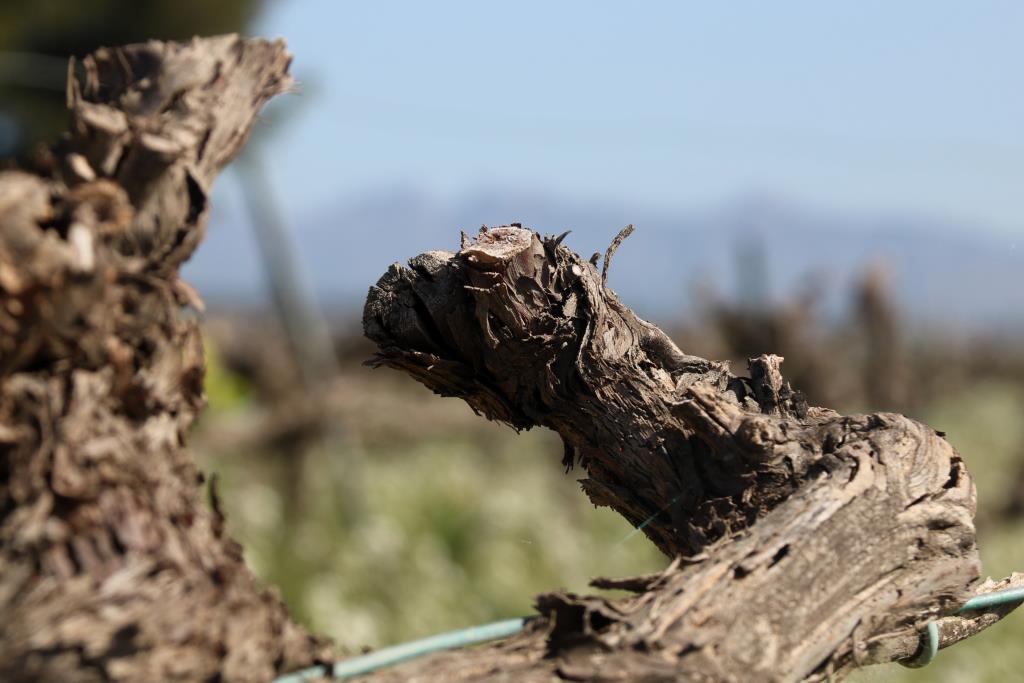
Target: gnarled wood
806, 541
112, 566
805, 533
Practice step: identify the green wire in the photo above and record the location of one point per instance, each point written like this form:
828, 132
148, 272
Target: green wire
929, 648
474, 635
994, 599
390, 656
930, 638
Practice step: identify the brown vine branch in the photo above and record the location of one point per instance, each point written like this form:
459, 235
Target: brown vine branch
806, 542
112, 567
806, 532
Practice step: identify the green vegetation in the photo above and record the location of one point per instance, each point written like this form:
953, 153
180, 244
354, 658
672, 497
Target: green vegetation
445, 532
388, 537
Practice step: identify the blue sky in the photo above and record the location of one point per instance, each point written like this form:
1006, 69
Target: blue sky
907, 106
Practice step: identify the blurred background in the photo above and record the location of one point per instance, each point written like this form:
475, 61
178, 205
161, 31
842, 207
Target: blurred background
839, 184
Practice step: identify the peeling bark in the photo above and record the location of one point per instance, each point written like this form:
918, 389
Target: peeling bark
801, 535
805, 542
112, 567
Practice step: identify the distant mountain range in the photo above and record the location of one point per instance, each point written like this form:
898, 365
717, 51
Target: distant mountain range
940, 272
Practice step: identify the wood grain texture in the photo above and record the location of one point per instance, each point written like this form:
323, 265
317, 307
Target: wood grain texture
805, 542
800, 534
112, 565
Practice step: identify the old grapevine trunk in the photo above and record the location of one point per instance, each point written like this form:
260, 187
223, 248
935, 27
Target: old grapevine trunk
806, 542
112, 566
805, 538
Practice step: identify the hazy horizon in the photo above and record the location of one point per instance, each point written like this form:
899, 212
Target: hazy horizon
896, 108
941, 270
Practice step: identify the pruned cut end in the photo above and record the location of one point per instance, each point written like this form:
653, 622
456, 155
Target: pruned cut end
498, 245
770, 499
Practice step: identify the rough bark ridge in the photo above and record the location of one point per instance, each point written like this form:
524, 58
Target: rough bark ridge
112, 567
803, 536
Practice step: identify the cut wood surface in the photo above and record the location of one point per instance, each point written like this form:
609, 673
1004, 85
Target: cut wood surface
112, 565
804, 543
803, 537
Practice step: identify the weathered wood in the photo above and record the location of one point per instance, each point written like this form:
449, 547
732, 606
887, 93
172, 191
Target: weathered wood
112, 565
901, 645
806, 534
806, 542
